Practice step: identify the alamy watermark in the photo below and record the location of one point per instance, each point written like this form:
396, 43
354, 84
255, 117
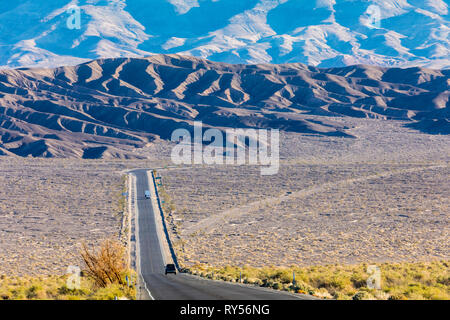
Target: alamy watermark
74, 19
236, 147
372, 17
374, 279
74, 278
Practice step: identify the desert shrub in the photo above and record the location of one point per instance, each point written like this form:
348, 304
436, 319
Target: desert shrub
397, 296
5, 296
358, 280
363, 295
277, 286
112, 292
35, 292
63, 290
444, 280
106, 265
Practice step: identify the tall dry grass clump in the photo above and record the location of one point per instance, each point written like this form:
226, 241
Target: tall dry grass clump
106, 265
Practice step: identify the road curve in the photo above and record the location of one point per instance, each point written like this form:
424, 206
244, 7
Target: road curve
183, 286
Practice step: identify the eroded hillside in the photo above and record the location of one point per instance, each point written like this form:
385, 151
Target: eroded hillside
109, 107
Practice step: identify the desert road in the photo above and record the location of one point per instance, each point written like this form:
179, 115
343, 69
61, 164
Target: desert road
182, 286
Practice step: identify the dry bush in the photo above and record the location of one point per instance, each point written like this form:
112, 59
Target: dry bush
107, 264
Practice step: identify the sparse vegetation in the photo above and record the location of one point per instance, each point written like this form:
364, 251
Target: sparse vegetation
104, 278
420, 280
55, 288
167, 203
121, 198
48, 206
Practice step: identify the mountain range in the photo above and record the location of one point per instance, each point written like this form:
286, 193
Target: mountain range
109, 107
321, 33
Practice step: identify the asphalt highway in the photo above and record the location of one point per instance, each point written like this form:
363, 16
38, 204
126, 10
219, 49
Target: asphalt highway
183, 286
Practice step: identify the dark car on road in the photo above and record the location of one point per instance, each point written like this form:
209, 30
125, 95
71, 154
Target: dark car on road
170, 268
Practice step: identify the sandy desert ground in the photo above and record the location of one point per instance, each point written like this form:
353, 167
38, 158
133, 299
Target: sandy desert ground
380, 197
48, 206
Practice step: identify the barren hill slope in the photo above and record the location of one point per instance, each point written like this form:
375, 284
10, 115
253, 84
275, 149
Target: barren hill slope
105, 108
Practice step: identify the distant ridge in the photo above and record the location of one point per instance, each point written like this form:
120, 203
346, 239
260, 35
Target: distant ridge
323, 33
107, 107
